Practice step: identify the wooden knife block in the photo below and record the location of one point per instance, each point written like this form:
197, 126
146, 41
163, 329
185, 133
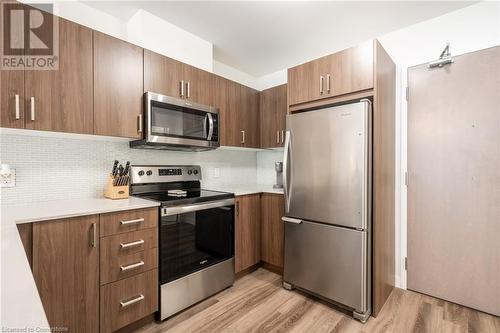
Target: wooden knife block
116, 192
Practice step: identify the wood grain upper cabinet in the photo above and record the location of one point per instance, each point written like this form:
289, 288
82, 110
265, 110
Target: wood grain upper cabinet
118, 87
221, 101
341, 73
273, 109
250, 116
11, 98
65, 268
170, 77
61, 100
247, 232
272, 229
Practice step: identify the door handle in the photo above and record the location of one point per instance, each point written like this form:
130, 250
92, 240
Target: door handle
282, 136
242, 137
132, 244
125, 222
93, 238
132, 301
18, 116
132, 266
210, 126
286, 171
291, 220
32, 102
188, 89
277, 136
182, 88
321, 79
328, 83
139, 123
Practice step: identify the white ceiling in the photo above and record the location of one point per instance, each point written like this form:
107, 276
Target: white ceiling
260, 38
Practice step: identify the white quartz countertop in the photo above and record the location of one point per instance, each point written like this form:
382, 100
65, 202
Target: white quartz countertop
21, 306
244, 189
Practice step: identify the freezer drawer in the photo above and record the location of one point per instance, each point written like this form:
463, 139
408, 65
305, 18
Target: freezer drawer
329, 261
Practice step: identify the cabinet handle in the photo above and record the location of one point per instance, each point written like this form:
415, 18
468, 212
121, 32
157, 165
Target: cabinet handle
131, 244
32, 101
182, 88
132, 301
282, 136
18, 116
277, 136
321, 79
328, 83
242, 137
125, 222
132, 266
93, 238
139, 123
188, 89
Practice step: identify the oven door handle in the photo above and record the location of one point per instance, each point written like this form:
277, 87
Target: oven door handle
181, 209
210, 127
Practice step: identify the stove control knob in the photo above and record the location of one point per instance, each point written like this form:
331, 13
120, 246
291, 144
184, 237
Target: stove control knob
149, 172
141, 173
195, 171
190, 172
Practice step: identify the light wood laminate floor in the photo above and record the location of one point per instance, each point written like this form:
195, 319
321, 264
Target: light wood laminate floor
258, 303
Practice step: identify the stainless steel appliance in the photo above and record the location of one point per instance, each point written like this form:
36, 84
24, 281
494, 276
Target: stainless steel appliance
176, 124
327, 185
278, 167
196, 234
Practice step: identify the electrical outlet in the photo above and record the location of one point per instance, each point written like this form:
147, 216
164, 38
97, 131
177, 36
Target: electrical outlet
10, 180
216, 172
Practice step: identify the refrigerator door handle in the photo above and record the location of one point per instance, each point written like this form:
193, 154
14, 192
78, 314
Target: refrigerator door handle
286, 171
291, 220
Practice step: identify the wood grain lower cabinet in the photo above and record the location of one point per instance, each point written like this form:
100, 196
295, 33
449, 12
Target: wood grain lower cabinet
65, 268
272, 229
128, 300
273, 109
118, 87
247, 232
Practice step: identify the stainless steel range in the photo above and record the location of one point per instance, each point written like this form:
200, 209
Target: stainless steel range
196, 234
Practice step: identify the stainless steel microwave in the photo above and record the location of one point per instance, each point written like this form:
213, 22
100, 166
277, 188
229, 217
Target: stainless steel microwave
177, 124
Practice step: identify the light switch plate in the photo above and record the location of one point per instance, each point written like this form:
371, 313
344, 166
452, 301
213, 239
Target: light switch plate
9, 181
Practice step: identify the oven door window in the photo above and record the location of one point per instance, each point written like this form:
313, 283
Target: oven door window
192, 241
177, 121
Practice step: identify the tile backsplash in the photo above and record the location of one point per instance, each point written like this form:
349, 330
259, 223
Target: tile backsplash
51, 168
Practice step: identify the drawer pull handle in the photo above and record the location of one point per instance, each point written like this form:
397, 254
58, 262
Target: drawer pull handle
132, 221
132, 301
132, 266
131, 244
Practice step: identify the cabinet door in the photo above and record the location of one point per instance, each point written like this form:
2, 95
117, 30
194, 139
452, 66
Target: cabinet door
62, 99
11, 98
66, 271
12, 83
304, 84
273, 110
249, 117
199, 85
162, 75
118, 88
234, 116
247, 232
221, 101
349, 70
272, 231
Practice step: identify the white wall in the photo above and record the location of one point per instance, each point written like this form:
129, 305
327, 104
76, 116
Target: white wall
469, 29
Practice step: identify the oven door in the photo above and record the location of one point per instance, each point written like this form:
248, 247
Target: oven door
194, 237
179, 122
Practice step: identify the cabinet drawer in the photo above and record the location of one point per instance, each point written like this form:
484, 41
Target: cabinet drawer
129, 220
120, 267
128, 243
128, 300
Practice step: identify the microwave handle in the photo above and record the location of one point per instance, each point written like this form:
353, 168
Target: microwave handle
210, 126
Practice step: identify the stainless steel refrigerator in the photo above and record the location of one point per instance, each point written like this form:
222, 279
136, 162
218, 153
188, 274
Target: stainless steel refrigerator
327, 185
